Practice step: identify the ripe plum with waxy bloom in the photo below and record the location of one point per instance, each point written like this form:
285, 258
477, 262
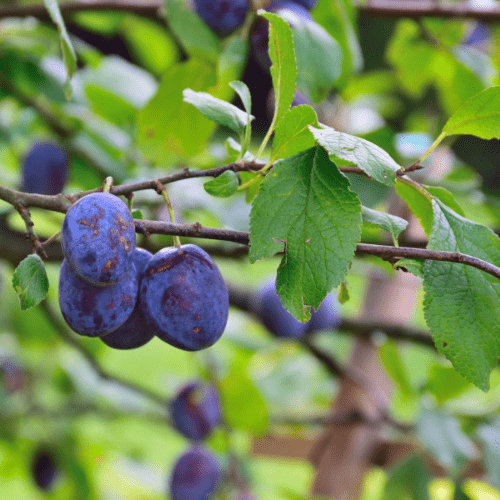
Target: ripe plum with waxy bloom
95, 310
183, 296
98, 238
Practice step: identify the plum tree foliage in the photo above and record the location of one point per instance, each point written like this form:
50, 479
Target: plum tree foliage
309, 159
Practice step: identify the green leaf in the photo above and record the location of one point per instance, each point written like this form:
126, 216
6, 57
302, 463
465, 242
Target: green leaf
345, 149
340, 20
244, 92
242, 404
305, 207
292, 134
419, 202
389, 355
462, 303
408, 479
194, 35
445, 383
284, 66
343, 295
232, 60
30, 281
395, 225
69, 55
413, 266
319, 56
223, 186
446, 197
150, 42
233, 149
162, 136
490, 439
442, 435
217, 110
479, 116
137, 214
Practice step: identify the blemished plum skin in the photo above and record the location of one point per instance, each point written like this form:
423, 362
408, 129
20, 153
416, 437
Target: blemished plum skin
196, 475
135, 332
222, 16
45, 169
43, 469
183, 296
95, 310
98, 238
267, 304
196, 411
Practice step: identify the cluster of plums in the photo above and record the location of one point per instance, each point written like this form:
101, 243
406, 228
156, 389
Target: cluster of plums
110, 289
196, 411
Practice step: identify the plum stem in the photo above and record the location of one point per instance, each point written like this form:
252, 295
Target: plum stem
107, 184
171, 213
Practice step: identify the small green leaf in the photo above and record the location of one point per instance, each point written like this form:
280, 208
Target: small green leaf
391, 223
30, 281
408, 479
137, 214
161, 135
442, 435
305, 207
194, 35
479, 116
69, 55
233, 149
462, 303
284, 66
446, 197
490, 439
343, 293
223, 186
319, 57
445, 383
243, 91
217, 110
391, 359
345, 150
292, 134
413, 266
242, 404
419, 202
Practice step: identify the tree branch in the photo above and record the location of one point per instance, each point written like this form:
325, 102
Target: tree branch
380, 8
416, 9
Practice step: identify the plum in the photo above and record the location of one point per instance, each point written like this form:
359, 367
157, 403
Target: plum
45, 169
267, 305
222, 16
43, 469
196, 475
98, 238
196, 411
259, 37
95, 310
184, 298
135, 332
308, 4
327, 316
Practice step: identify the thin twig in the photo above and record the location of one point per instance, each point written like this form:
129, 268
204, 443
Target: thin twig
30, 233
